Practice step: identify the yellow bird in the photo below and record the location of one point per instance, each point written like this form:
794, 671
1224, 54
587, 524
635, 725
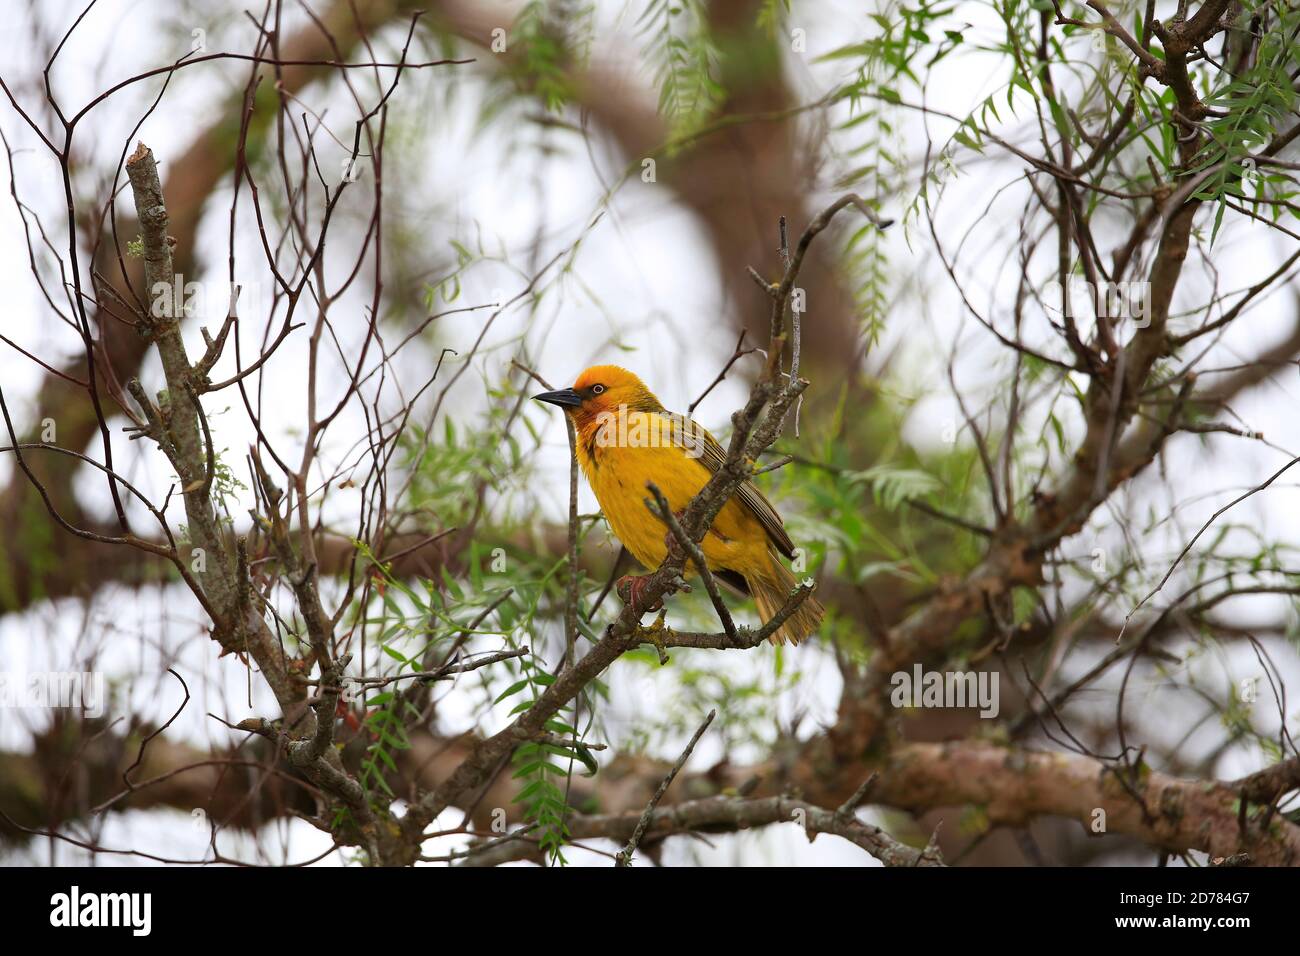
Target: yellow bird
626, 439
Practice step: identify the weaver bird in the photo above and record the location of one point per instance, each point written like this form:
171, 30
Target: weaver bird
627, 440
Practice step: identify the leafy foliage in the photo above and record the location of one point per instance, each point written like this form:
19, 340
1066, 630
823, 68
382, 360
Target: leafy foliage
678, 43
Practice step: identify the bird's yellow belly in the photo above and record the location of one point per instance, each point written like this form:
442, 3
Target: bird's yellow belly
619, 476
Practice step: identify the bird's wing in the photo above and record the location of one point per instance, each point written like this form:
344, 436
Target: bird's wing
713, 456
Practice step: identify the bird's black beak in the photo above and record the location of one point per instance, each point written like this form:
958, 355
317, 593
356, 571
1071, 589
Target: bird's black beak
565, 398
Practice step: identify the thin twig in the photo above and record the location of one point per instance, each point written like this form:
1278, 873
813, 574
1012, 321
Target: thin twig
625, 857
696, 554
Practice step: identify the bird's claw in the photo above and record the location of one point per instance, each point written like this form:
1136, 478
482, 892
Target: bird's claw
630, 587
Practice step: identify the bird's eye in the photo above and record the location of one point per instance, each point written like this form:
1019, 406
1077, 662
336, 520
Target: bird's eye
597, 389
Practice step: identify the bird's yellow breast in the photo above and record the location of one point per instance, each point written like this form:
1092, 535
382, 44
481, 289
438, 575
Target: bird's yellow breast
638, 448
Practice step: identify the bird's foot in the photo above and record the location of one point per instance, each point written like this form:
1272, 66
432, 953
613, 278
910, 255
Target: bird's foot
631, 590
631, 587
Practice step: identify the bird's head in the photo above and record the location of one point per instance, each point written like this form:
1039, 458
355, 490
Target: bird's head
602, 389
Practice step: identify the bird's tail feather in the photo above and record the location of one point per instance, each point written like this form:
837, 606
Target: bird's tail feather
771, 589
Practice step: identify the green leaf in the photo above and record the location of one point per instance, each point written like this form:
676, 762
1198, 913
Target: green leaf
514, 688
